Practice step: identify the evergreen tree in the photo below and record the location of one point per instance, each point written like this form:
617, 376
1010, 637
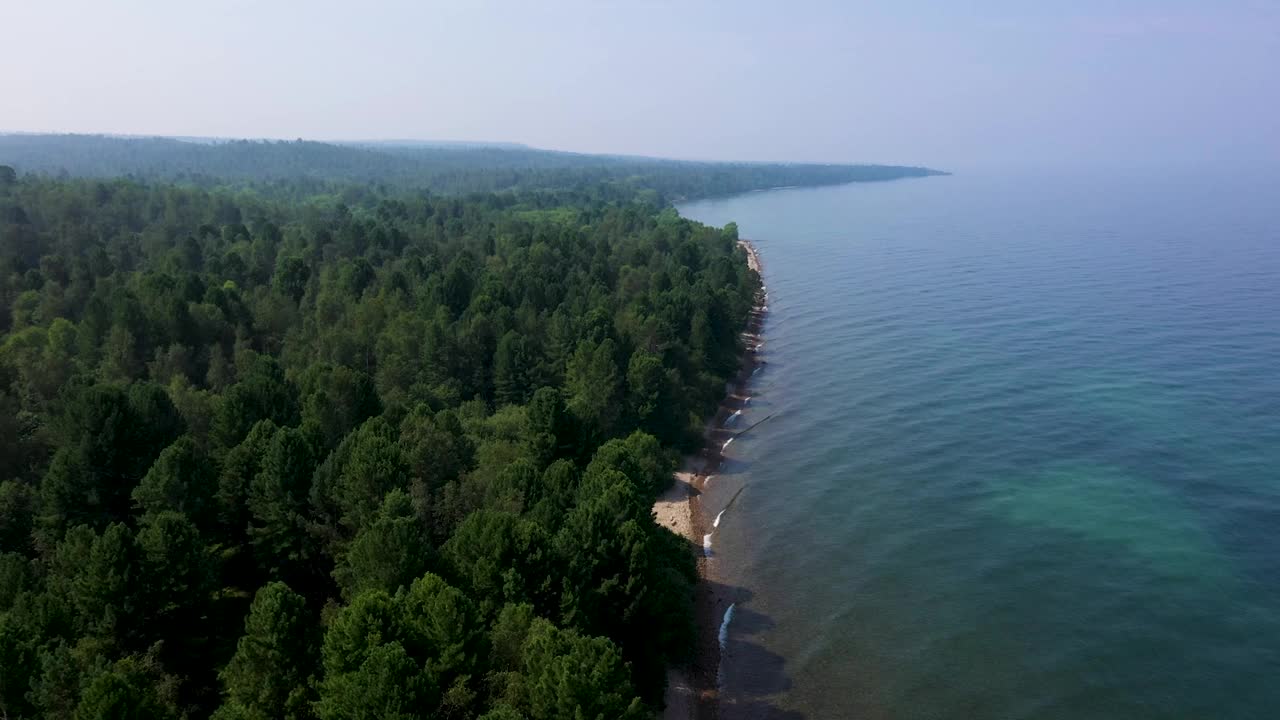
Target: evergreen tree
566, 675
182, 479
388, 554
207, 393
277, 505
270, 674
594, 388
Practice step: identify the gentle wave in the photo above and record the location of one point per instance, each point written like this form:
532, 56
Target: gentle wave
724, 625
733, 418
726, 444
724, 641
706, 545
1012, 405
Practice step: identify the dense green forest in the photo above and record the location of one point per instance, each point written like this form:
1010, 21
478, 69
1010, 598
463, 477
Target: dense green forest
364, 453
328, 431
309, 167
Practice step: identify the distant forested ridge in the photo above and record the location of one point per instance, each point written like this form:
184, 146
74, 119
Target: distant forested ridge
279, 446
441, 169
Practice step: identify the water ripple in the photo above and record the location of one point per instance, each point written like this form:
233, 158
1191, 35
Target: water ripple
1024, 459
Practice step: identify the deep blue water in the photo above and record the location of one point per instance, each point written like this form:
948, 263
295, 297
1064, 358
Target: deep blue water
1027, 457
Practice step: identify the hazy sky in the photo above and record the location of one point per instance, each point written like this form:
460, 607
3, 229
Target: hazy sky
940, 83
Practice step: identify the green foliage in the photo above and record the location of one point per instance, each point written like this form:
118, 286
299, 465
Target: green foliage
653, 392
291, 276
514, 370
110, 438
239, 468
302, 449
567, 675
270, 674
336, 400
594, 385
181, 479
503, 712
105, 589
178, 575
264, 394
388, 554
277, 502
387, 683
373, 466
17, 506
129, 689
640, 458
501, 558
435, 447
623, 578
446, 169
15, 577
399, 656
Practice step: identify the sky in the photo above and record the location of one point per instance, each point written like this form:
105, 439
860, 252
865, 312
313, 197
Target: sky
940, 83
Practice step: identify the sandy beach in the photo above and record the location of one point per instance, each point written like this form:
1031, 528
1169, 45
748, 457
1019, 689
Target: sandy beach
692, 692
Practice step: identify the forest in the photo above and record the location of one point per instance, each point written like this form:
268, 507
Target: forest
313, 450
304, 168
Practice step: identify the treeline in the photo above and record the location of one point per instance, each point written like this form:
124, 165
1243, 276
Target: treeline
304, 167
314, 459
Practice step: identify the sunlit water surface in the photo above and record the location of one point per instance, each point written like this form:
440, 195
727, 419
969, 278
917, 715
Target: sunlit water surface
1026, 462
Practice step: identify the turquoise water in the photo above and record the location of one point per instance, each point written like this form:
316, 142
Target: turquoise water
1026, 462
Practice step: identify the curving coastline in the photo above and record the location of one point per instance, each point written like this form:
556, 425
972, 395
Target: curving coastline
692, 693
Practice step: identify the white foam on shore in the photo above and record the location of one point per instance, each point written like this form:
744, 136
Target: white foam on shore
716, 523
724, 625
707, 481
726, 444
706, 545
747, 401
736, 414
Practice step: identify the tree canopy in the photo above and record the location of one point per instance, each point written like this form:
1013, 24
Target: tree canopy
302, 168
365, 452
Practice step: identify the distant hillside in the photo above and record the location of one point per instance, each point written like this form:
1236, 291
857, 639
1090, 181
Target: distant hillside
454, 144
439, 168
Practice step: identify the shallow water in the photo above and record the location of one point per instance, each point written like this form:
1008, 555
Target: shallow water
1026, 456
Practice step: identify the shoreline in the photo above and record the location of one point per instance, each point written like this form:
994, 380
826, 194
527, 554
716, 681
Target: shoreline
693, 692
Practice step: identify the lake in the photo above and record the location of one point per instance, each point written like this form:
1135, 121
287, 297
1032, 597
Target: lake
1026, 455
